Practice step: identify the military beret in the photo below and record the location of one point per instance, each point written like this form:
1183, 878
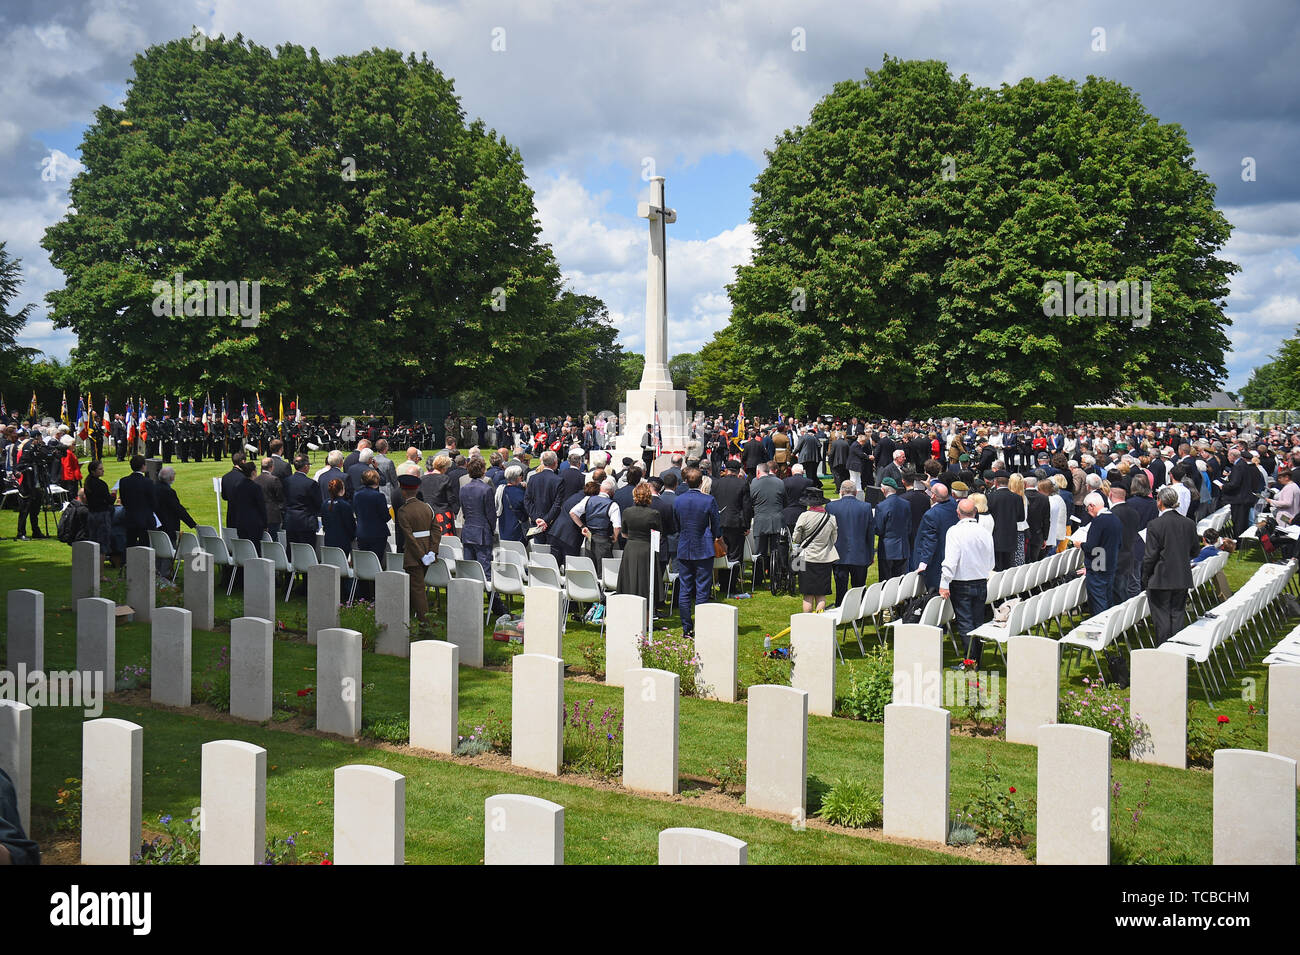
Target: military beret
408, 480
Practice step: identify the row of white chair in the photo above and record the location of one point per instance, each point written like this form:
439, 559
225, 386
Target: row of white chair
1037, 611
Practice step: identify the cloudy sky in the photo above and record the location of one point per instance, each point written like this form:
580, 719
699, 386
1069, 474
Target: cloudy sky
598, 95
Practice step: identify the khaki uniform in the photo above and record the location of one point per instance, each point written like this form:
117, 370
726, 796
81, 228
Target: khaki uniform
780, 448
420, 536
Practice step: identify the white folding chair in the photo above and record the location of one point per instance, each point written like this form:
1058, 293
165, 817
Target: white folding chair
507, 579
846, 615
438, 576
473, 570
304, 556
609, 573
393, 561
365, 566
163, 550
274, 552
335, 556
581, 586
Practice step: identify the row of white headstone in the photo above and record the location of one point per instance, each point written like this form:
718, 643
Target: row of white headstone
369, 810
1157, 692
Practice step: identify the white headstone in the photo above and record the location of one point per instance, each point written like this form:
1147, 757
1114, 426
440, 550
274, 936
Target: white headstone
322, 599
465, 619
1284, 710
916, 771
86, 562
112, 774
1033, 686
812, 642
232, 829
16, 755
251, 642
393, 613
651, 704
435, 693
259, 588
200, 582
1158, 697
776, 751
700, 847
1073, 794
625, 623
544, 622
718, 645
522, 830
918, 664
537, 712
97, 639
170, 657
25, 643
1254, 808
141, 593
338, 681
369, 816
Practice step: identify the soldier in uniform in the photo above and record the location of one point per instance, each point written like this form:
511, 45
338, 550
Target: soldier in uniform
419, 536
118, 432
166, 437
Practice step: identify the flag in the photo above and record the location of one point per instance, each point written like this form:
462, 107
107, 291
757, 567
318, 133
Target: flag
144, 424
659, 438
31, 412
107, 421
4, 412
130, 422
63, 410
225, 418
281, 418
244, 416
178, 401
191, 411
82, 420
207, 413
297, 416
260, 413
740, 422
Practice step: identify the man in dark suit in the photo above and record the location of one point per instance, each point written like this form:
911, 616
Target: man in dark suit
279, 466
273, 491
662, 501
767, 499
699, 525
918, 451
1100, 552
731, 491
1166, 568
854, 541
797, 483
931, 537
1130, 547
354, 456
168, 506
542, 497
893, 523
884, 455
1007, 511
302, 504
1040, 518
894, 469
334, 472
917, 496
752, 455
837, 459
572, 478
352, 479
623, 496
229, 482
136, 492
1241, 489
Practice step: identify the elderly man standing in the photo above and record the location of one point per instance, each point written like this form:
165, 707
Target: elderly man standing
1100, 552
893, 527
1166, 571
542, 495
932, 537
964, 579
855, 543
699, 526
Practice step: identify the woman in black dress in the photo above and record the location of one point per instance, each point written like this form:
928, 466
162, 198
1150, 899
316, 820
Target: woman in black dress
99, 501
638, 521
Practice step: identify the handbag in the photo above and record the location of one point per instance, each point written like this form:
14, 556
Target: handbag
799, 563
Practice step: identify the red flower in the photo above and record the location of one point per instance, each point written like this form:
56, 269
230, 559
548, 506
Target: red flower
969, 663
1013, 789
326, 862
1223, 719
304, 692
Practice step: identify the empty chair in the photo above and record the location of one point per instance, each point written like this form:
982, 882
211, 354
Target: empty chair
507, 579
535, 549
229, 535
393, 561
581, 586
579, 563
221, 557
473, 570
871, 606
273, 552
438, 576
365, 566
335, 556
241, 552
187, 546
455, 549
304, 556
163, 550
541, 575
609, 573
206, 530
846, 615
547, 560
516, 546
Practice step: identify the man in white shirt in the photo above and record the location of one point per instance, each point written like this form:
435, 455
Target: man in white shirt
967, 564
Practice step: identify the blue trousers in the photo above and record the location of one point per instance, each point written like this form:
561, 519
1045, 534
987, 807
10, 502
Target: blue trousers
967, 597
693, 586
1100, 587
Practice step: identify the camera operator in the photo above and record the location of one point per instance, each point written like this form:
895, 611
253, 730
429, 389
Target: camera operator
31, 466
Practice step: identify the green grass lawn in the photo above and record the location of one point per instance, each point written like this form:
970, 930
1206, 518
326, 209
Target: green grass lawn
445, 798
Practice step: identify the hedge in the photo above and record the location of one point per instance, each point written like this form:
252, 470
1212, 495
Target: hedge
996, 412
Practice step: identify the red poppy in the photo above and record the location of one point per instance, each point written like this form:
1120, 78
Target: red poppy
326, 862
304, 692
1013, 789
1223, 719
969, 663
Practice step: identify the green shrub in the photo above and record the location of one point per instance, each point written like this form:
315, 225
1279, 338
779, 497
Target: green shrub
730, 775
1204, 737
593, 743
593, 656
852, 803
772, 669
995, 813
871, 687
1106, 708
214, 687
387, 729
361, 618
674, 654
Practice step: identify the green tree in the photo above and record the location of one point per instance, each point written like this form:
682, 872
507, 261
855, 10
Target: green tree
13, 356
1276, 383
631, 369
682, 369
907, 233
723, 379
391, 237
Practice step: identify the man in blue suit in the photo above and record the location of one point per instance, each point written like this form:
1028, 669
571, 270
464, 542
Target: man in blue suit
543, 495
699, 524
855, 542
927, 556
136, 492
893, 527
1100, 552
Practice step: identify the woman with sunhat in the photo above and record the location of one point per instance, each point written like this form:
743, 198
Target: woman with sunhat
815, 532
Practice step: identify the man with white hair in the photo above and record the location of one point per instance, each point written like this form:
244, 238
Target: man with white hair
964, 574
352, 480
333, 470
1166, 571
1100, 552
542, 498
600, 521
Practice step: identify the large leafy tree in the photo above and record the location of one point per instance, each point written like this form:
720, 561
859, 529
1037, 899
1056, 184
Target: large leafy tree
12, 355
1276, 383
395, 242
907, 233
